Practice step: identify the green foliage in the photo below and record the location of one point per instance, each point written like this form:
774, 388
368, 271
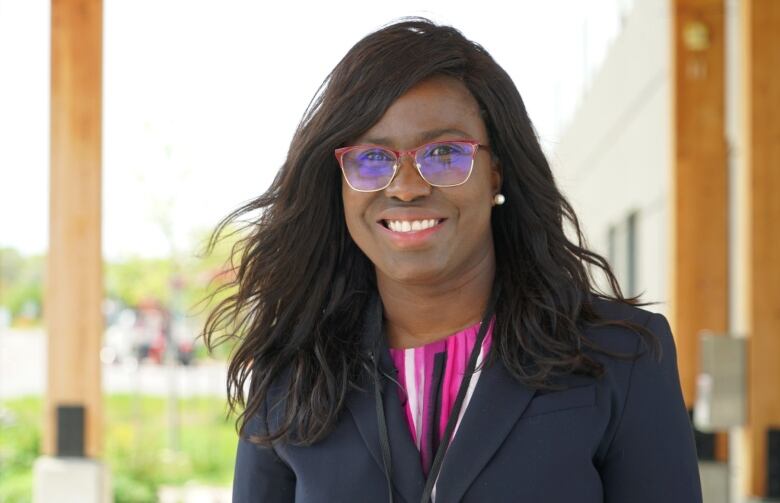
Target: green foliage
210, 271
212, 274
16, 487
135, 280
21, 284
137, 441
188, 282
20, 444
130, 488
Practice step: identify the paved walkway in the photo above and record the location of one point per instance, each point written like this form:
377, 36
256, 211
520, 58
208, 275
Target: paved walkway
194, 494
23, 372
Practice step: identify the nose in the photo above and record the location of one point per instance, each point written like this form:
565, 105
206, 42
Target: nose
407, 185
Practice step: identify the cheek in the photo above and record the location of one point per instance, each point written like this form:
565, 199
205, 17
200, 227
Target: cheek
475, 220
355, 205
475, 203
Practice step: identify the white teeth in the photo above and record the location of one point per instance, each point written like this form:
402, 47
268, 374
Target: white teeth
411, 226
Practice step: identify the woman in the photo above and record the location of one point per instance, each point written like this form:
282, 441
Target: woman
413, 323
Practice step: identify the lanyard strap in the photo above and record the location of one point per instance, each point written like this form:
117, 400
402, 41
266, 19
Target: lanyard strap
384, 438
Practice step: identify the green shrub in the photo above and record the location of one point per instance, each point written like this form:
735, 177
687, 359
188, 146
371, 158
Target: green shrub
137, 445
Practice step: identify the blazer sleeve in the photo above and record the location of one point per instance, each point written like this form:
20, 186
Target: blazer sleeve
260, 474
652, 456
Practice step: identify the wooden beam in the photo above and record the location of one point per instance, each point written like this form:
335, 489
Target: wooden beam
74, 289
761, 83
699, 264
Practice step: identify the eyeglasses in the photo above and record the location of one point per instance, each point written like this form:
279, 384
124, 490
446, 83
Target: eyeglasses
370, 168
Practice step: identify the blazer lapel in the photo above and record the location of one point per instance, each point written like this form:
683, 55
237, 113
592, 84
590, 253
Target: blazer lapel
496, 405
407, 475
406, 468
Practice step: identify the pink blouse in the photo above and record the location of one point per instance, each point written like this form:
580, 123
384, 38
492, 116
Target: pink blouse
431, 376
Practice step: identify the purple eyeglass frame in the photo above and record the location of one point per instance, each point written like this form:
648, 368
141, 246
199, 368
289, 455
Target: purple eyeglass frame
340, 152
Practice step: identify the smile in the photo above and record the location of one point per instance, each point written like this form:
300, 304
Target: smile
410, 225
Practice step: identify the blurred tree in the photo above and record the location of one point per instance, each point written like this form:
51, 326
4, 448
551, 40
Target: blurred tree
21, 285
131, 280
135, 280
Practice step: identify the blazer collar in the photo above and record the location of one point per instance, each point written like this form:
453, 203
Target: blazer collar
496, 405
407, 475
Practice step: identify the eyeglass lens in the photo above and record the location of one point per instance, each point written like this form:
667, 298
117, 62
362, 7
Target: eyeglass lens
441, 164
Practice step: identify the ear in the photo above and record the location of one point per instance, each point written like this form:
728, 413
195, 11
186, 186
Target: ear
496, 175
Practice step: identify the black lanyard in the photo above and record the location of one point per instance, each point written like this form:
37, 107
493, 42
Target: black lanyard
384, 438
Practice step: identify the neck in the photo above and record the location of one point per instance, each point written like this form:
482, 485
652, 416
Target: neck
416, 314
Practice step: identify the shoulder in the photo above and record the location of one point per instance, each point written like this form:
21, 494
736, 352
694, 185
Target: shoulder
636, 347
613, 309
647, 450
625, 328
634, 388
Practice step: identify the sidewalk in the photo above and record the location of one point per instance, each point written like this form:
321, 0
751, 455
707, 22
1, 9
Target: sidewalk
194, 494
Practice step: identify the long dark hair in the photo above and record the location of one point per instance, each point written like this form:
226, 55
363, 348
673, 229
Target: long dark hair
301, 284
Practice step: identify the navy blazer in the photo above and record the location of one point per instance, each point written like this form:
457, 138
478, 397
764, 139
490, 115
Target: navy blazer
623, 438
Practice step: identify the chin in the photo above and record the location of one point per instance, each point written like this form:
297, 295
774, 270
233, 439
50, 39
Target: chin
414, 274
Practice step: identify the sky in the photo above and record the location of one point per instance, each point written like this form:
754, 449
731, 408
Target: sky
201, 97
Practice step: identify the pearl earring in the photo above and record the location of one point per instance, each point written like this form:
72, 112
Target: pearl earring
499, 199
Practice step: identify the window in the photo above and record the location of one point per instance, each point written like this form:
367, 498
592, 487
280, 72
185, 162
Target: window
623, 250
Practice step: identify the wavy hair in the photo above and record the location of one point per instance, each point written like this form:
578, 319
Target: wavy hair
301, 284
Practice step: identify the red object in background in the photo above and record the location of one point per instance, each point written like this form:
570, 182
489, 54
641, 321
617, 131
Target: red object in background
157, 349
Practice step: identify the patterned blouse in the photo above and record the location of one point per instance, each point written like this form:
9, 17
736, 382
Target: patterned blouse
431, 376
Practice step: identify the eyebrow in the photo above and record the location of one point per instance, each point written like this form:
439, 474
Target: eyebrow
420, 138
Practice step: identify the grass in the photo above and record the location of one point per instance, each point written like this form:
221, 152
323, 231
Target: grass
138, 445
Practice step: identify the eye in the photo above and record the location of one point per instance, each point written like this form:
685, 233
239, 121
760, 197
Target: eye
376, 155
438, 150
445, 149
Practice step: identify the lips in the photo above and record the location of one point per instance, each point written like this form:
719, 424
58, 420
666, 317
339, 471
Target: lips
398, 225
410, 228
411, 233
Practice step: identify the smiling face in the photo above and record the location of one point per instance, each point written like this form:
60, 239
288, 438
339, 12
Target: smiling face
411, 231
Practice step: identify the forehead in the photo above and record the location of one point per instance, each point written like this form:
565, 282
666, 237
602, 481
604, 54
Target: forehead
438, 107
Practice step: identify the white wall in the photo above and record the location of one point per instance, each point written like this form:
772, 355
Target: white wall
614, 157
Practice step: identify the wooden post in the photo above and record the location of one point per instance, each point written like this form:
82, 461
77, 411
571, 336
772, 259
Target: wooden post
74, 290
761, 84
699, 265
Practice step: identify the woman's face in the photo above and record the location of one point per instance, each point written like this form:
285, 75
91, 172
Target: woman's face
439, 108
